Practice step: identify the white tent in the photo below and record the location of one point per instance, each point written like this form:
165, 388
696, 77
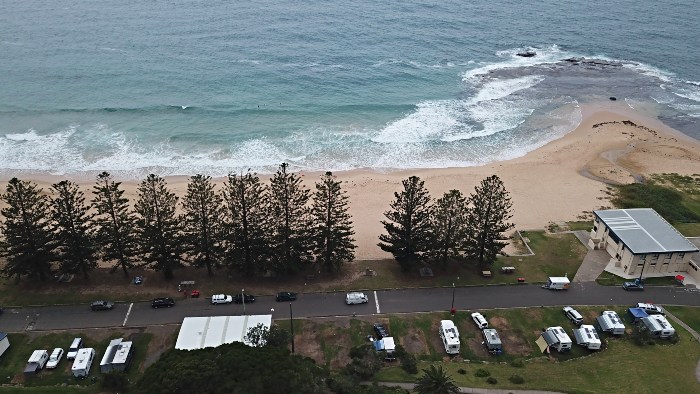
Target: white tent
214, 331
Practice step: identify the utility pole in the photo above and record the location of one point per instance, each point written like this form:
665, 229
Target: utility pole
291, 324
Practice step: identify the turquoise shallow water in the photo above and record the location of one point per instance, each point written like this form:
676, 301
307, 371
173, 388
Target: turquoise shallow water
179, 87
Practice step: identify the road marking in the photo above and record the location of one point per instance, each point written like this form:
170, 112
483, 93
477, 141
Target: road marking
127, 314
376, 301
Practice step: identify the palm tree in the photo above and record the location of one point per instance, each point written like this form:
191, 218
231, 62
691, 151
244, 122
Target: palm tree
435, 381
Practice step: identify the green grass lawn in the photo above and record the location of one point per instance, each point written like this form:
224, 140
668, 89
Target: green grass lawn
688, 315
620, 368
586, 225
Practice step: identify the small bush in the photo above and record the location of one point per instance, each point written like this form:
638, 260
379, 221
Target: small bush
482, 373
519, 363
462, 371
517, 379
114, 381
491, 380
409, 364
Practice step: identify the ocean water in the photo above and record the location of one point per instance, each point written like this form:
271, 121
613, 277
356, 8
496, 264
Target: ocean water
180, 87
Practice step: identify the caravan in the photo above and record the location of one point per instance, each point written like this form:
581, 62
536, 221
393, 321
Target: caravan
83, 362
557, 339
610, 322
36, 362
492, 341
587, 337
449, 336
658, 326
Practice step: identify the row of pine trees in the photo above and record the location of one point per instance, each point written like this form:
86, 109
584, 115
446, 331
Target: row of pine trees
247, 226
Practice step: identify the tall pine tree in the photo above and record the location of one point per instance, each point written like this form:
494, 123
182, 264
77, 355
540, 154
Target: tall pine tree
487, 218
449, 224
202, 223
245, 222
289, 222
157, 226
114, 223
29, 242
408, 235
73, 229
332, 225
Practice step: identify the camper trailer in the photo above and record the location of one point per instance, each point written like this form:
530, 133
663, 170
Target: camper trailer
4, 343
83, 362
610, 322
449, 336
117, 356
587, 336
492, 341
36, 362
658, 326
557, 339
387, 345
557, 283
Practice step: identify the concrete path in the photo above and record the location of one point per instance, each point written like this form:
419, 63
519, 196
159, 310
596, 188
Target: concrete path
410, 386
592, 266
693, 333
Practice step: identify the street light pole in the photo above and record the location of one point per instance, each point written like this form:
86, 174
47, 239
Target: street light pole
291, 324
243, 300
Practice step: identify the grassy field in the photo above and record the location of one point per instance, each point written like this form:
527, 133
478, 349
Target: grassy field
620, 368
688, 315
555, 255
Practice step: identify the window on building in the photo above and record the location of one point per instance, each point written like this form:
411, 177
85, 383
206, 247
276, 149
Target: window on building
693, 266
681, 255
655, 256
642, 257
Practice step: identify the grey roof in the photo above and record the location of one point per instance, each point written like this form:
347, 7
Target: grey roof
642, 230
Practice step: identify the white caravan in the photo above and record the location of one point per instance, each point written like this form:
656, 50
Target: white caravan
83, 362
610, 322
557, 339
587, 337
658, 326
449, 336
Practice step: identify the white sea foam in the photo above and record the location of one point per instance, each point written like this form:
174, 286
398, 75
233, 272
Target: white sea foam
499, 88
548, 55
430, 120
30, 135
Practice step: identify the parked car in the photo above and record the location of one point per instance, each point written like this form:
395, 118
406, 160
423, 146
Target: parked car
221, 299
286, 296
138, 280
102, 305
637, 285
356, 298
248, 298
163, 302
195, 293
55, 358
651, 309
573, 315
380, 330
480, 320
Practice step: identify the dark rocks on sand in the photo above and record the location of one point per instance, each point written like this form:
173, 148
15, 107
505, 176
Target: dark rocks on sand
612, 98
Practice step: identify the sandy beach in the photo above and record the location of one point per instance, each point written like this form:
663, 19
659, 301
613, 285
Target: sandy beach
561, 181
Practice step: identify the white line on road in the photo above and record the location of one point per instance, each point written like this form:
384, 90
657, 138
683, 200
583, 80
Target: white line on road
127, 314
376, 301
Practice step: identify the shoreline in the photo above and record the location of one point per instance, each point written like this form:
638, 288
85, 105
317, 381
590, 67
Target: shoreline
564, 180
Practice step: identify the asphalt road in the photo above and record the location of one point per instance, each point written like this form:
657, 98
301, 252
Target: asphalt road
333, 304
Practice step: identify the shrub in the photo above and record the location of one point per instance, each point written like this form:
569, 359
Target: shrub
517, 379
519, 363
409, 364
462, 371
491, 380
114, 381
482, 373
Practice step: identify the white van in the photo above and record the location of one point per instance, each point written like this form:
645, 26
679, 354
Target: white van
221, 299
356, 298
480, 320
74, 347
449, 336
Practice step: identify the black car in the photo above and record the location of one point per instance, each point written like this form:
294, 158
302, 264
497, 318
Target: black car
248, 298
163, 302
381, 331
102, 306
286, 296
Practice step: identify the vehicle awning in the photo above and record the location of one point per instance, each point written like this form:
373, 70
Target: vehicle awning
542, 344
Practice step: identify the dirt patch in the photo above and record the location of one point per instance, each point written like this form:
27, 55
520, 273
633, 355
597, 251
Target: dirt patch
498, 323
515, 344
338, 345
477, 347
414, 342
308, 344
164, 338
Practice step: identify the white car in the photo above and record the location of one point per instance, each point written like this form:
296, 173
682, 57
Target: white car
356, 298
221, 299
480, 320
55, 358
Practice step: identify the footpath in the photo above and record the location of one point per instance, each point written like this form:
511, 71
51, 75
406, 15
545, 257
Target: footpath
411, 386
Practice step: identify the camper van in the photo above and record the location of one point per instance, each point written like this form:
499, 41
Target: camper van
587, 336
449, 336
387, 345
557, 283
83, 362
356, 298
492, 341
658, 326
557, 339
40, 357
610, 322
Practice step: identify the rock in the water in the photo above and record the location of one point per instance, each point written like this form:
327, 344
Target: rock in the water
612, 98
527, 54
